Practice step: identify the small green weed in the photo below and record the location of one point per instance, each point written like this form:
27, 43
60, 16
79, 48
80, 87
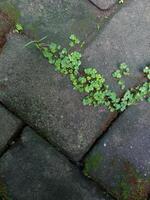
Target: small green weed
18, 28
73, 40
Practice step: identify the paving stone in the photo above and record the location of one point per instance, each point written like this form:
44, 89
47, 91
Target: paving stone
46, 101
120, 161
104, 4
124, 39
9, 124
32, 169
56, 19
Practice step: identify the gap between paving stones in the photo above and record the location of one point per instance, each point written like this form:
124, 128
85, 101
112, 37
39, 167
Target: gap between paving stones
107, 127
135, 149
82, 161
115, 118
100, 14
70, 131
18, 134
139, 58
101, 136
5, 26
55, 19
12, 141
102, 18
16, 139
103, 9
114, 45
9, 17
25, 153
9, 127
107, 14
104, 130
77, 163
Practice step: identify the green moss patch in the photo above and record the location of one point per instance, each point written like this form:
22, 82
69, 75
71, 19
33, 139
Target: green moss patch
132, 185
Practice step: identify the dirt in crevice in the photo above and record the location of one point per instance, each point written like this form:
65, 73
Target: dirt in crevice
6, 24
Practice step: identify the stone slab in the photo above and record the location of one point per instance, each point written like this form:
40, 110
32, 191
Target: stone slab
46, 101
124, 39
9, 125
32, 169
120, 161
104, 4
55, 19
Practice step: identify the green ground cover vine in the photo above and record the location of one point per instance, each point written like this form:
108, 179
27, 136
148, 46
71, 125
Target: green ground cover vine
89, 81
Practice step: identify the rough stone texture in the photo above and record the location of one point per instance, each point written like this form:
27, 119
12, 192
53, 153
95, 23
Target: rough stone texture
46, 100
32, 169
124, 39
104, 4
9, 124
56, 19
120, 161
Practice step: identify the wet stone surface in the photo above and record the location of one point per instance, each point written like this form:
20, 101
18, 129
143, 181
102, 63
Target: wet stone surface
120, 161
32, 169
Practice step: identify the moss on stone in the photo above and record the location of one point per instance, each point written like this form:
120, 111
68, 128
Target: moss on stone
132, 185
92, 163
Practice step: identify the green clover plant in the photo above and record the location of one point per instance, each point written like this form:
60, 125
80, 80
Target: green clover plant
119, 73
89, 81
18, 28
